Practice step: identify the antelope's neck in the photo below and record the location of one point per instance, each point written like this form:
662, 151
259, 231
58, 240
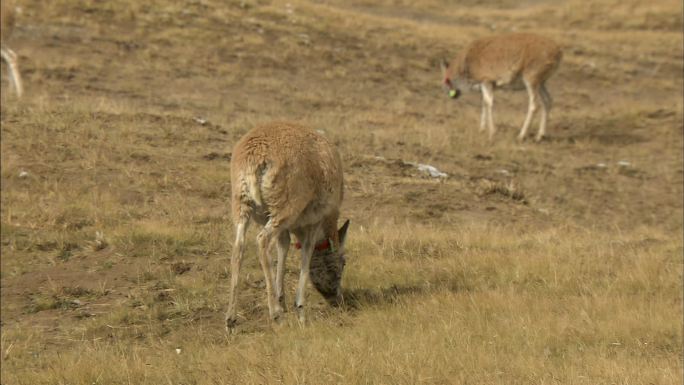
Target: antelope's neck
330, 230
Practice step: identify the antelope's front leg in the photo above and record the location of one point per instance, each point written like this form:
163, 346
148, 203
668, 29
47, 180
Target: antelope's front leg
488, 99
483, 115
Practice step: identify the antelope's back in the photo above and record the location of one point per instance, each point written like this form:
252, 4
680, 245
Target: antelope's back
287, 162
496, 56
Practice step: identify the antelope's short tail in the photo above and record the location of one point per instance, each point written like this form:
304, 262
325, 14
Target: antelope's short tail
253, 179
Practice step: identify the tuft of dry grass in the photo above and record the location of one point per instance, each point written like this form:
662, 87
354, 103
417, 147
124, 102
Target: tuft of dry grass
483, 305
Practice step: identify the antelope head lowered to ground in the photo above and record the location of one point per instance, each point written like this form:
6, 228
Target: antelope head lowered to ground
288, 179
505, 60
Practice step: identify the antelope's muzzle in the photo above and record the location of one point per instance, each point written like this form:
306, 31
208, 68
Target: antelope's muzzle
452, 91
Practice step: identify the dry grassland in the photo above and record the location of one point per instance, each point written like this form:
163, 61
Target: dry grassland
551, 263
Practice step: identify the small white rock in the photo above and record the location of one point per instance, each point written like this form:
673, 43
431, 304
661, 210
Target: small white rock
178, 351
601, 165
430, 170
23, 174
624, 163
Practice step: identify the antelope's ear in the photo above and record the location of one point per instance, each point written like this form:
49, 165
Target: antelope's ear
444, 65
342, 233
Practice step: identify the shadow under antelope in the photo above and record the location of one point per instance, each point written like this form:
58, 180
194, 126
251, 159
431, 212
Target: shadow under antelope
288, 179
505, 60
7, 19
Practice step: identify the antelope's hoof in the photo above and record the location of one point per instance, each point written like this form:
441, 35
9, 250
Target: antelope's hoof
300, 314
277, 317
281, 302
231, 324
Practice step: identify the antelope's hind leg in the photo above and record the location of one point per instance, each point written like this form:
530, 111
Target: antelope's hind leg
264, 239
533, 93
13, 70
235, 263
547, 103
300, 294
282, 246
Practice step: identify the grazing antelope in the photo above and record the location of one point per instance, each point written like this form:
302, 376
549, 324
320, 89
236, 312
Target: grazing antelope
288, 179
6, 27
506, 60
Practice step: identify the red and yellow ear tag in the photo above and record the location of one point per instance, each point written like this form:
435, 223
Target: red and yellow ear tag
325, 245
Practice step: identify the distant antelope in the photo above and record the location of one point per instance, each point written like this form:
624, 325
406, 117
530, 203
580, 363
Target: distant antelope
288, 179
6, 27
506, 60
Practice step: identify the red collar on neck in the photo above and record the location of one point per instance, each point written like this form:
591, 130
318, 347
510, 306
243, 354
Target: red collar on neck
322, 246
